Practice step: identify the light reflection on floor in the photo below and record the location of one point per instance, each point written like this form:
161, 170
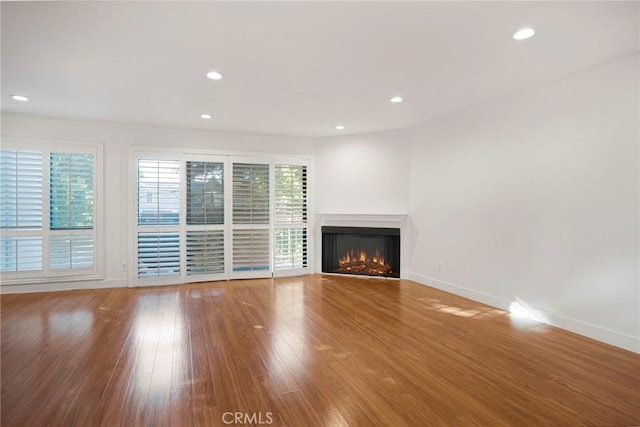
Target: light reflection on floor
478, 312
212, 292
72, 324
288, 351
158, 339
523, 316
59, 329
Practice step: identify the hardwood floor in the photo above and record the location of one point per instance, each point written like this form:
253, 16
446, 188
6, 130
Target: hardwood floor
308, 351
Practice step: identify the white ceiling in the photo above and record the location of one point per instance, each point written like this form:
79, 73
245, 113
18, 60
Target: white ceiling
296, 68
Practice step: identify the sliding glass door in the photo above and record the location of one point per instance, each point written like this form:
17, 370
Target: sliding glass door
205, 217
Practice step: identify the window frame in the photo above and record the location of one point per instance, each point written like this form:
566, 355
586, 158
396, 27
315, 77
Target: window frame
47, 274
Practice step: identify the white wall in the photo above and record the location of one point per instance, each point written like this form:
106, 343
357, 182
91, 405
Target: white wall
365, 173
117, 138
535, 197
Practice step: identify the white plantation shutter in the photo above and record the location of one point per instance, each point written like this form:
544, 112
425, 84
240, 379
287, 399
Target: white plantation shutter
205, 252
70, 191
251, 249
291, 225
20, 253
158, 192
20, 211
205, 193
250, 193
291, 194
71, 208
158, 254
20, 190
291, 248
48, 212
205, 218
158, 216
70, 252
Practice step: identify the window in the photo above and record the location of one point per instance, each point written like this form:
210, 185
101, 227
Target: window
48, 212
206, 217
291, 226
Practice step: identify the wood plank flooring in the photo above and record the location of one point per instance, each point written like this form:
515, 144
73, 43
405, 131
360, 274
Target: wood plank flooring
307, 351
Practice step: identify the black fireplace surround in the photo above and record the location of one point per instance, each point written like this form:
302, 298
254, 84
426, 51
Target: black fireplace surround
366, 251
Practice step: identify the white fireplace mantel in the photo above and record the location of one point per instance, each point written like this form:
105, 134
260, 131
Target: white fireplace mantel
366, 220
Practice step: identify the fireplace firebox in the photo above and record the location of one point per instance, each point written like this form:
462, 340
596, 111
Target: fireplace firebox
366, 251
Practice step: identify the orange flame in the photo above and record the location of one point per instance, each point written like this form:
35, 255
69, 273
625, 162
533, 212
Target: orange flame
361, 256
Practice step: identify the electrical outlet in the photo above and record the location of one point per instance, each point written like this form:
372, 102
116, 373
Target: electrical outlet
439, 267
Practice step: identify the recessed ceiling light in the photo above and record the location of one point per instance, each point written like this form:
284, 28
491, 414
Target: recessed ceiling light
19, 98
396, 99
205, 116
523, 33
339, 127
214, 75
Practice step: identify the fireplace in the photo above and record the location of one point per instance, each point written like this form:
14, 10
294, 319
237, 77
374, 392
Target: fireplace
365, 251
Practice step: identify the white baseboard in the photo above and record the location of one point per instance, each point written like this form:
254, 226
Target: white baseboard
482, 297
596, 332
599, 333
62, 286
